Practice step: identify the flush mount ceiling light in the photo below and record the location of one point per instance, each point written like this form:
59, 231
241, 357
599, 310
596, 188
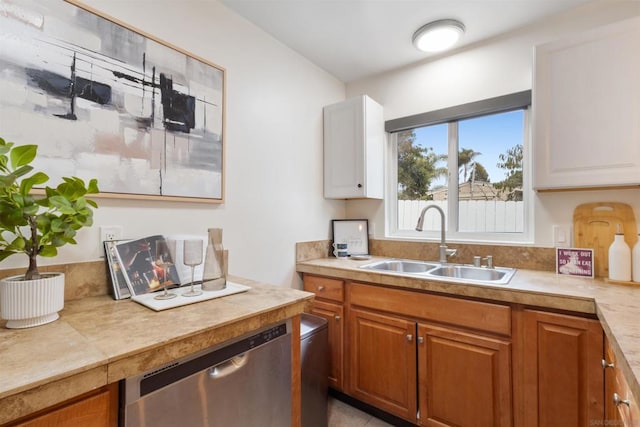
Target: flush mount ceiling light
439, 35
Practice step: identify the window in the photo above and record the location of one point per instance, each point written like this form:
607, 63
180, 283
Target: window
469, 160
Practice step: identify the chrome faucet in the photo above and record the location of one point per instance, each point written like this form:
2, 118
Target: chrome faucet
444, 251
477, 261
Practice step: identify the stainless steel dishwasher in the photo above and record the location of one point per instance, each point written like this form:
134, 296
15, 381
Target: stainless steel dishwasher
244, 382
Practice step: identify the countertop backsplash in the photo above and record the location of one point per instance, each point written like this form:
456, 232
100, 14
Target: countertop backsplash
82, 279
525, 257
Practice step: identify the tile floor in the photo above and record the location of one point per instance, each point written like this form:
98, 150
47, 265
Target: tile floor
343, 415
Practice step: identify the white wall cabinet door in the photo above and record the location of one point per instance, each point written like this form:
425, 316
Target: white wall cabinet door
586, 109
353, 149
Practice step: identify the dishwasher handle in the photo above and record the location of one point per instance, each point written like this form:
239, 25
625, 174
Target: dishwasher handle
229, 366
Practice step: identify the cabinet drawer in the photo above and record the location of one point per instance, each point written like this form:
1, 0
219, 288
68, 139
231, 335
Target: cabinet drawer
477, 315
325, 288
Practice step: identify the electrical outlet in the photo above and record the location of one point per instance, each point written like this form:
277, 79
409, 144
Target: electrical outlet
109, 232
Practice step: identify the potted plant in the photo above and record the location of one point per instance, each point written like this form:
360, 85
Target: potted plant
36, 225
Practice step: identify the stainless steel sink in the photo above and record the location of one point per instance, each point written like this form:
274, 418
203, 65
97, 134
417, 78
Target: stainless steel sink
401, 266
448, 272
473, 273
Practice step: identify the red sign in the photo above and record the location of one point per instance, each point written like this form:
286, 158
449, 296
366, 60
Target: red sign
575, 262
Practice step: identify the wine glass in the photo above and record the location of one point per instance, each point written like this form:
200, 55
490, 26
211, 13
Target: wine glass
164, 260
192, 256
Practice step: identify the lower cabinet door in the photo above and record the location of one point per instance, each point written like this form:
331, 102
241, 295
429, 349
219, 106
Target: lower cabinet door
611, 414
620, 407
464, 379
335, 321
383, 362
95, 409
563, 378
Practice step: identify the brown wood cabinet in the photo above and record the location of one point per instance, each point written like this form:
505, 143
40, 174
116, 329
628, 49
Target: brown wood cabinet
562, 376
383, 362
437, 360
329, 305
98, 408
464, 378
448, 357
620, 407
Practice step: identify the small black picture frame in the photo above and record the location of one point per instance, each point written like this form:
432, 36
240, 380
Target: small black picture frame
353, 232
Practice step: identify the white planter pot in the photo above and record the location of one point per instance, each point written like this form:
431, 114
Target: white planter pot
27, 303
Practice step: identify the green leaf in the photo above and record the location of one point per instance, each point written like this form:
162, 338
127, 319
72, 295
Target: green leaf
23, 155
48, 251
4, 253
36, 179
93, 187
4, 146
18, 244
6, 181
22, 171
49, 192
58, 240
69, 233
18, 200
62, 204
31, 210
57, 225
43, 221
12, 219
80, 204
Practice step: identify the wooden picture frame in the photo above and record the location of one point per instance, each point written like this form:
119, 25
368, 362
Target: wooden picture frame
104, 100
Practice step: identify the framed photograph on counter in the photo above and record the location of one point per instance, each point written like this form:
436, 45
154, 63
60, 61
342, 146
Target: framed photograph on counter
353, 232
575, 262
118, 281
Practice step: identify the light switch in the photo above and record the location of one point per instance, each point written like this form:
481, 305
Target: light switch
562, 236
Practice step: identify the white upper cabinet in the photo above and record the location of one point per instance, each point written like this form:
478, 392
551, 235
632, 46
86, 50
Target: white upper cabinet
353, 149
586, 109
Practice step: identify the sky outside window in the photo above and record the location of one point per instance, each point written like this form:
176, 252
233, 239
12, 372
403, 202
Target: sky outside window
489, 135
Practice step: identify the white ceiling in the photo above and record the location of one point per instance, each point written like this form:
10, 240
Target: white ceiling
352, 39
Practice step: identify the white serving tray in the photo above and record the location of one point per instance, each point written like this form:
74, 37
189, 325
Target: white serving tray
148, 300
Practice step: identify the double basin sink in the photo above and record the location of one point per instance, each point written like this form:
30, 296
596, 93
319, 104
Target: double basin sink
452, 272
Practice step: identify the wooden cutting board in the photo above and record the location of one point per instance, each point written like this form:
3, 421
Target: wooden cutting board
595, 225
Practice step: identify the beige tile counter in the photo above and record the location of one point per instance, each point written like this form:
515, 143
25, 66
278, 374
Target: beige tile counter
98, 341
617, 306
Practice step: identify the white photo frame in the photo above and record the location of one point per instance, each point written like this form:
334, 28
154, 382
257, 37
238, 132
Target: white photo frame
353, 232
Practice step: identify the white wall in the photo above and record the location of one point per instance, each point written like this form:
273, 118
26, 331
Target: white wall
274, 100
496, 67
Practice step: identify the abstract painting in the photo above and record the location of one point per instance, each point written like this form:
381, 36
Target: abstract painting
102, 100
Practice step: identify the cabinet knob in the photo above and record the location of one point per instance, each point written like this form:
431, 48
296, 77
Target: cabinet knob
359, 185
420, 340
409, 337
337, 318
617, 400
606, 365
320, 288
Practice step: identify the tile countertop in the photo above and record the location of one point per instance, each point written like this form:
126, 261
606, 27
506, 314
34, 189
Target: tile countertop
98, 341
617, 306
